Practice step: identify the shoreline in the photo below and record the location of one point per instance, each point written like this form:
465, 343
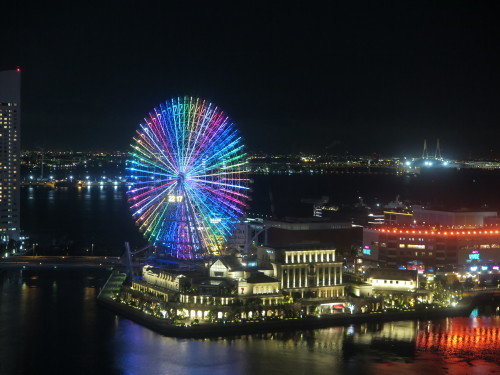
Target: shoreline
212, 330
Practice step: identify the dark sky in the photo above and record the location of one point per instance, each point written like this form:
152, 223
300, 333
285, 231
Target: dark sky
363, 77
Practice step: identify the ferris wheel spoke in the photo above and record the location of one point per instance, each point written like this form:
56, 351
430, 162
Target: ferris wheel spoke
225, 203
217, 131
156, 152
222, 158
209, 231
214, 142
150, 191
151, 199
216, 183
157, 146
209, 207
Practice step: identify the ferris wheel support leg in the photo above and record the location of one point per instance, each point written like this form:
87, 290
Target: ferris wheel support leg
128, 261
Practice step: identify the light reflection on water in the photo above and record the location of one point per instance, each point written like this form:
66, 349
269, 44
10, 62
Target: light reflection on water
466, 338
50, 323
78, 217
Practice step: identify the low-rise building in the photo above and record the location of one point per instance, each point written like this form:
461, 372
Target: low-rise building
171, 279
399, 288
258, 284
307, 272
230, 289
388, 279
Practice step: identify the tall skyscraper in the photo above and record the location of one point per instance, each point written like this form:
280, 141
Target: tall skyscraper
10, 127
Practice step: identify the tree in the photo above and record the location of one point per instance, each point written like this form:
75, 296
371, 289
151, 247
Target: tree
468, 283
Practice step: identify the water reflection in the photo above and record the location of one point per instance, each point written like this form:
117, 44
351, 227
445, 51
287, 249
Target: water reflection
467, 338
50, 323
70, 219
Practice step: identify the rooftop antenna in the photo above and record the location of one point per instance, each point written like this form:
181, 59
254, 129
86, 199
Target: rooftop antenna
425, 154
437, 155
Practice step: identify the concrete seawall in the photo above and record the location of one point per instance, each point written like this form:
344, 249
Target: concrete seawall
231, 329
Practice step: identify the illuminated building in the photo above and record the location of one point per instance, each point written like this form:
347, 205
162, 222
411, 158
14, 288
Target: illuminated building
195, 294
434, 240
393, 280
305, 272
439, 249
312, 232
10, 126
397, 287
397, 218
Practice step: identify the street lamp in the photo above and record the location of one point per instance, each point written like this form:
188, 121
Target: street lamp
92, 249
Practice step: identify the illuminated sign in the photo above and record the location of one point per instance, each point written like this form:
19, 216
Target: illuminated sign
174, 198
367, 251
416, 267
474, 255
411, 246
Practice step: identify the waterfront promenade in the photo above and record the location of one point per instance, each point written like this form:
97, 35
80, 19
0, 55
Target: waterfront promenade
231, 329
203, 330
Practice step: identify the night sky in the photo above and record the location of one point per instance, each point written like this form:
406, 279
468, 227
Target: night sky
357, 77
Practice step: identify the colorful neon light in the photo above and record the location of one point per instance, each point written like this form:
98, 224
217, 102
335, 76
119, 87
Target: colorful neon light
188, 178
434, 232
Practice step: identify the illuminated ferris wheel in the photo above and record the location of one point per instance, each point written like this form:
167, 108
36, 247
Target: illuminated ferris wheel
188, 174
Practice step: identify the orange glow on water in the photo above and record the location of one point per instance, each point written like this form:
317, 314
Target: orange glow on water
459, 337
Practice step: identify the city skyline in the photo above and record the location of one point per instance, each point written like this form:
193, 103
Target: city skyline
431, 153
294, 78
246, 187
